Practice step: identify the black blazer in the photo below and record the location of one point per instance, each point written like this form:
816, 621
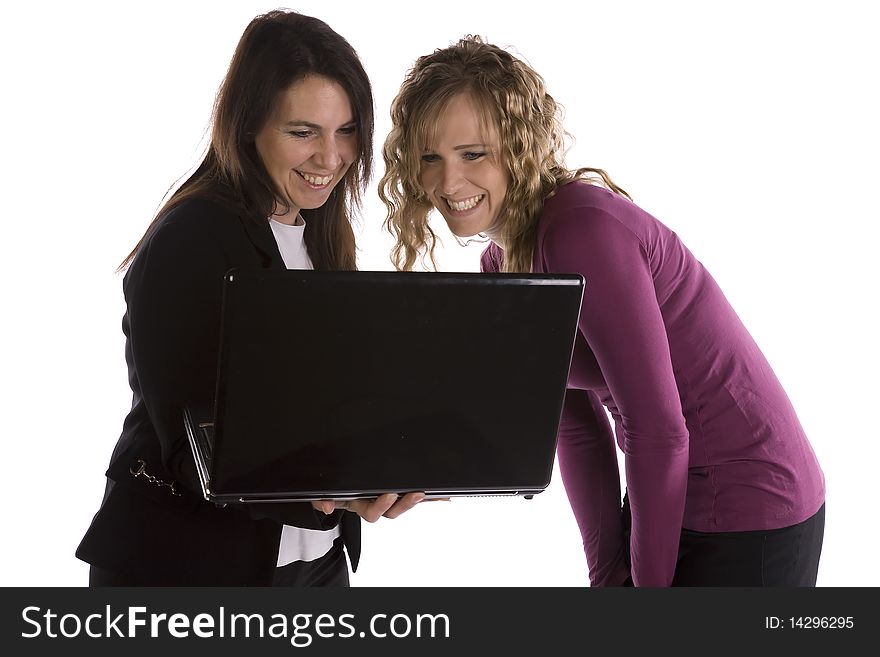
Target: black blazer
173, 292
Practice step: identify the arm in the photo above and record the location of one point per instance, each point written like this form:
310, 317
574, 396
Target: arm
623, 326
588, 465
173, 292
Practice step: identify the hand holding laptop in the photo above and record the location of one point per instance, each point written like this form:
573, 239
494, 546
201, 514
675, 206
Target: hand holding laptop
389, 505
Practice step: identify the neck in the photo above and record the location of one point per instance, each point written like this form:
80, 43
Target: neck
291, 217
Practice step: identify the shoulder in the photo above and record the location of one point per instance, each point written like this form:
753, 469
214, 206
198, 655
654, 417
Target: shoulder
198, 216
195, 226
584, 226
580, 210
196, 234
580, 193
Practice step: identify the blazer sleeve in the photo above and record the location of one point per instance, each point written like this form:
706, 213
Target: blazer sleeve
622, 323
173, 292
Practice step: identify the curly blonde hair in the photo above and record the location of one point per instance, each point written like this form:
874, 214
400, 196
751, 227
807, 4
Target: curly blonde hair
510, 96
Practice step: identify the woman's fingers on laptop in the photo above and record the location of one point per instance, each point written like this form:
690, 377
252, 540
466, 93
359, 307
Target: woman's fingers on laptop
404, 504
389, 505
372, 510
368, 509
324, 506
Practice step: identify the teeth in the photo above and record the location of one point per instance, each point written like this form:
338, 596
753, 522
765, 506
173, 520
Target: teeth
466, 204
317, 181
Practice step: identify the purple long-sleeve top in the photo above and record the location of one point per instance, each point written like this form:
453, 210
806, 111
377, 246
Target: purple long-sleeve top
711, 442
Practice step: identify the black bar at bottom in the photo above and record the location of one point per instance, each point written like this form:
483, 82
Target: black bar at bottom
433, 621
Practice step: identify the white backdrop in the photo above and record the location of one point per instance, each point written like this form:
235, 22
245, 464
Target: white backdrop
749, 130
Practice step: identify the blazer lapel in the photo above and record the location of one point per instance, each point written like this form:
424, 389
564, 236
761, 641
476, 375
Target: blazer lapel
263, 240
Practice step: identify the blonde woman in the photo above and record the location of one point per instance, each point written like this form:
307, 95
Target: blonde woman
722, 485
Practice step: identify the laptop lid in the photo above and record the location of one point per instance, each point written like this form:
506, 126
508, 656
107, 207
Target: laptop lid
340, 385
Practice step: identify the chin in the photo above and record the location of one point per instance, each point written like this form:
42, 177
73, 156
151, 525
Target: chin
461, 231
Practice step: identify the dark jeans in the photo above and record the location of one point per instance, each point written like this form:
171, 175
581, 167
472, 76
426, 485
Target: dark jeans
785, 557
329, 570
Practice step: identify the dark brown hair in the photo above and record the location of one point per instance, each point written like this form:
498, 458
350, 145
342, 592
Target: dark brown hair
276, 50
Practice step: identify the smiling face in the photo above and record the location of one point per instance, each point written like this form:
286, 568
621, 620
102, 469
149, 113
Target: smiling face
308, 144
461, 171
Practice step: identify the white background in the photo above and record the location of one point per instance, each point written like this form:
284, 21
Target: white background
751, 130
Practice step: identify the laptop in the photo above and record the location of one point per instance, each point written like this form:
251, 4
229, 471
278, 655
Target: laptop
346, 385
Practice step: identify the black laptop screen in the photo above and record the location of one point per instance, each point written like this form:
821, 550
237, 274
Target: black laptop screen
365, 382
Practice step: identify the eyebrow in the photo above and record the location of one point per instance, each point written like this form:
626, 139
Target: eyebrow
309, 124
463, 147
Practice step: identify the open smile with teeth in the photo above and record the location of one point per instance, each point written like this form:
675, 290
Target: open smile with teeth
315, 181
464, 204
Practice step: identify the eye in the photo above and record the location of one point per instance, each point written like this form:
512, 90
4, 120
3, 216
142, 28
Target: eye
470, 156
347, 130
428, 158
301, 134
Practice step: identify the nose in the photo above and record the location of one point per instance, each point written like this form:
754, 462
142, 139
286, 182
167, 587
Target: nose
327, 154
450, 178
